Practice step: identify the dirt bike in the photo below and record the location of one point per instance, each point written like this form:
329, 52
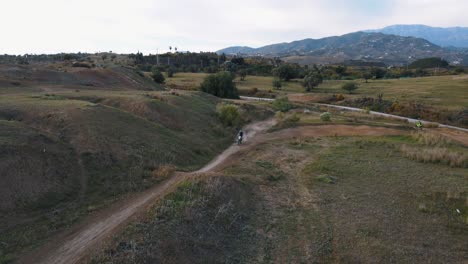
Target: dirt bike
239, 140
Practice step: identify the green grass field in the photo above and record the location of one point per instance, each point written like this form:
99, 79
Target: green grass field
448, 92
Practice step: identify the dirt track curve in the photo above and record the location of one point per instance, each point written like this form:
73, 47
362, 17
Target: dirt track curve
77, 243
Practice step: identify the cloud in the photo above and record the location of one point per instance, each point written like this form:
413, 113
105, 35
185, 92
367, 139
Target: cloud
49, 26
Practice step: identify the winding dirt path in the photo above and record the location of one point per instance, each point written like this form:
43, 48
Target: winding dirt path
80, 241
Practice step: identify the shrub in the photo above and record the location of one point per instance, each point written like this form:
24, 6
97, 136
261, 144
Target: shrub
157, 76
294, 118
220, 84
277, 83
82, 65
349, 86
229, 115
282, 104
326, 116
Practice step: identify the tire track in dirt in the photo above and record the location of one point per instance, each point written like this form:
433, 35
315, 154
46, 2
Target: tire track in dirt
76, 244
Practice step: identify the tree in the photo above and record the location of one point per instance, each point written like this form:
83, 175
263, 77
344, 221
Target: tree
220, 84
285, 72
378, 73
170, 72
349, 86
367, 76
340, 70
311, 80
427, 63
242, 73
277, 83
157, 76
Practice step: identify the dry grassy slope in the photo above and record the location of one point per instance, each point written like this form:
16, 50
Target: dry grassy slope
94, 152
33, 164
54, 76
120, 140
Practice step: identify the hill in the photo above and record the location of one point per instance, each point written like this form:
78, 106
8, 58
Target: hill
65, 75
67, 148
390, 49
445, 37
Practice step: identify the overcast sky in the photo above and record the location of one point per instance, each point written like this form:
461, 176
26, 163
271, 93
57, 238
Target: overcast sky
128, 26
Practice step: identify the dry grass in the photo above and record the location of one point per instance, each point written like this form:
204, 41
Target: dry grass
431, 139
435, 155
163, 171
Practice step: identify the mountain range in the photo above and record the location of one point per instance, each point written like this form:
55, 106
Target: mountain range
367, 46
445, 37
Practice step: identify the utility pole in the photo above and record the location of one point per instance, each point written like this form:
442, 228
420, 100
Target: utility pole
157, 57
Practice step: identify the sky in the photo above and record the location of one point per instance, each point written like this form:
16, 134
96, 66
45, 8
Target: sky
151, 26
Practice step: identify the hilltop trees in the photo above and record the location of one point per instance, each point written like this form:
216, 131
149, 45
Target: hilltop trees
220, 84
427, 63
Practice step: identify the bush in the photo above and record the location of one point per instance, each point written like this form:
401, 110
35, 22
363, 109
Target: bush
277, 83
220, 84
157, 76
294, 118
326, 116
229, 115
282, 104
349, 86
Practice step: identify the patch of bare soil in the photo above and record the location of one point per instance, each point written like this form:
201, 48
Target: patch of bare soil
457, 135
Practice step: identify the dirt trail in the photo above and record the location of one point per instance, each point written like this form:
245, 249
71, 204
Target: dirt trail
83, 239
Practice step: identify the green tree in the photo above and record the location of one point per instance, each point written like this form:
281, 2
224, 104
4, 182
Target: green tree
220, 84
157, 76
170, 72
340, 70
349, 86
242, 74
285, 72
367, 75
378, 73
311, 80
277, 83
